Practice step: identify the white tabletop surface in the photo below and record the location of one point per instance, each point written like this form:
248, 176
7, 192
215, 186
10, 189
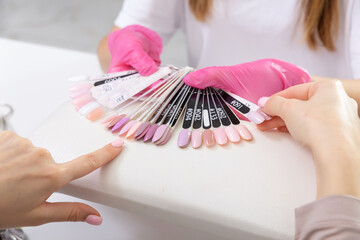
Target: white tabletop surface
246, 190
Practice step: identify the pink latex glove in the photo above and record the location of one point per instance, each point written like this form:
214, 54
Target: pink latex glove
135, 47
251, 80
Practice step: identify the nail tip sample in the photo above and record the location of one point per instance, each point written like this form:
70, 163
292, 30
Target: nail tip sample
255, 117
232, 134
150, 133
159, 133
220, 136
184, 138
196, 139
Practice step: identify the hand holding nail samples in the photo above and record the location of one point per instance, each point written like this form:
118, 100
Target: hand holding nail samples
313, 113
322, 117
250, 80
29, 175
135, 47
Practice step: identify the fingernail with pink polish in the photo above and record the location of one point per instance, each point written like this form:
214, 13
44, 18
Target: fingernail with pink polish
94, 220
262, 101
118, 143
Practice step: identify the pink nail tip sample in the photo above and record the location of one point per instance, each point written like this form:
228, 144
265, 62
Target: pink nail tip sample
208, 138
159, 133
232, 134
166, 139
115, 120
95, 114
143, 127
81, 99
255, 117
78, 107
125, 127
184, 138
80, 87
262, 101
267, 117
244, 132
133, 129
220, 136
79, 93
150, 133
143, 133
108, 119
120, 124
196, 138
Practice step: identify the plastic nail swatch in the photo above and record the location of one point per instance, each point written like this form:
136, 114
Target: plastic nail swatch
149, 108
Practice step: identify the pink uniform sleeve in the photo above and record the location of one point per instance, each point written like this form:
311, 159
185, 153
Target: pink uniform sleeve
330, 218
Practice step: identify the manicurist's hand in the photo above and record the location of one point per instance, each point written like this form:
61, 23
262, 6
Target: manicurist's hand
322, 117
135, 47
29, 175
250, 80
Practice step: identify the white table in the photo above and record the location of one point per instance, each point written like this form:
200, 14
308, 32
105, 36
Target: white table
241, 191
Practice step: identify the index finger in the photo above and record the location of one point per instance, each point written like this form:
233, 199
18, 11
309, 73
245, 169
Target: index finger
300, 92
87, 163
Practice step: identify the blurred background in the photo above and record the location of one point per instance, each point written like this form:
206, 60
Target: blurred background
71, 24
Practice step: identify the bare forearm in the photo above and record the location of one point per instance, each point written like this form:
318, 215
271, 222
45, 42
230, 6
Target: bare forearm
338, 170
103, 52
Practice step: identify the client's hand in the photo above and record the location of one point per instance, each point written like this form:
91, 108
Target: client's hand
250, 80
29, 175
322, 117
135, 47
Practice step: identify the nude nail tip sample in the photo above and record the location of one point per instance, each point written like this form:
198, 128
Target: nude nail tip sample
150, 133
95, 114
196, 138
133, 129
184, 138
220, 136
159, 133
244, 132
126, 127
120, 124
232, 134
141, 129
208, 138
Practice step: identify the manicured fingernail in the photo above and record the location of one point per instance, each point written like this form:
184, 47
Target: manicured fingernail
262, 101
118, 143
94, 220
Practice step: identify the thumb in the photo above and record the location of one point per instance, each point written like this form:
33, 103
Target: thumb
142, 62
277, 106
200, 78
66, 212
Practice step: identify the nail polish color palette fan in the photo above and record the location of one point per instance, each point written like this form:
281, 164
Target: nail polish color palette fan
149, 108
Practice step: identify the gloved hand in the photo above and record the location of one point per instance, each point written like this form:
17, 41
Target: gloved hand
251, 80
135, 47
